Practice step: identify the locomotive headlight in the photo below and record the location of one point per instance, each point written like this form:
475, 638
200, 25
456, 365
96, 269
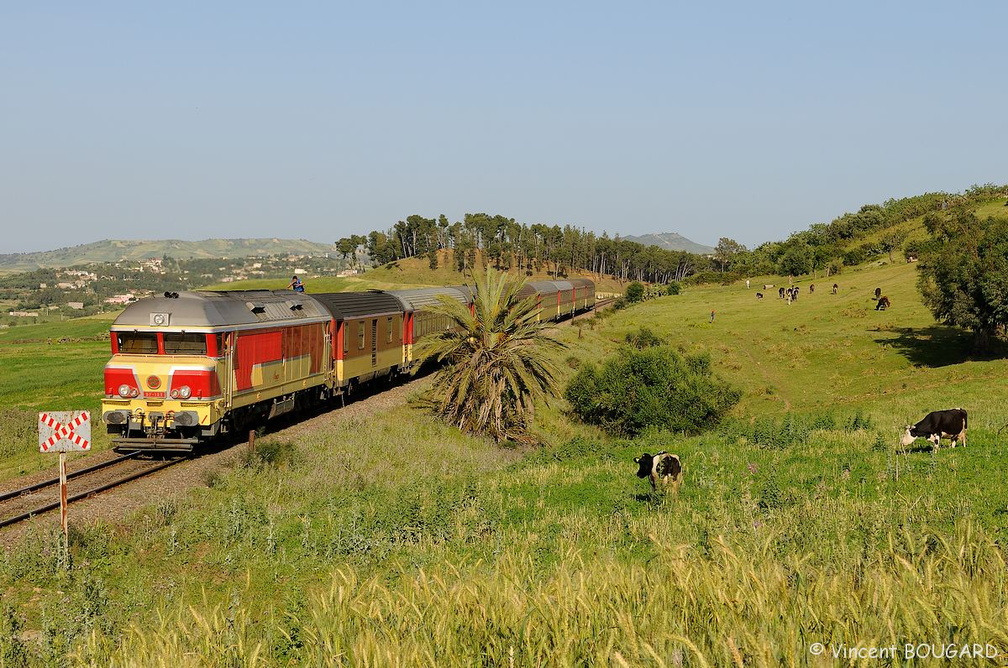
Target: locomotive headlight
183, 392
125, 391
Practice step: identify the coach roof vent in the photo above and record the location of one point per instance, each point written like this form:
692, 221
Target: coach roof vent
256, 307
295, 306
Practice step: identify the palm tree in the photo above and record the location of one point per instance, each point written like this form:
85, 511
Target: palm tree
497, 359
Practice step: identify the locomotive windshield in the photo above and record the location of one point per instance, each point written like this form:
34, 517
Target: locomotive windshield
137, 343
174, 343
184, 344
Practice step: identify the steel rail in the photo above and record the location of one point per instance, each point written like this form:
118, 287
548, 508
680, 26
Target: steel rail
72, 474
83, 495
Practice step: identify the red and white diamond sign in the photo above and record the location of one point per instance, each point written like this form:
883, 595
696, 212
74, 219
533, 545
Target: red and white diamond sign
64, 431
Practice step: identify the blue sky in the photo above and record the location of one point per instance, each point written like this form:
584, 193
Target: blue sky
193, 120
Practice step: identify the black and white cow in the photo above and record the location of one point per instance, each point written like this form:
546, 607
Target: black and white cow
937, 425
883, 303
759, 295
663, 469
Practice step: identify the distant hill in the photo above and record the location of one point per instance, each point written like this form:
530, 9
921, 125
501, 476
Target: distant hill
672, 241
116, 251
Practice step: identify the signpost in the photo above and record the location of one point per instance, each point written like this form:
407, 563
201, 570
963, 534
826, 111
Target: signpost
62, 432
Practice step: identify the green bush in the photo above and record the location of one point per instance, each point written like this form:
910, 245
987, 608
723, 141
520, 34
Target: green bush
674, 288
643, 338
634, 292
653, 387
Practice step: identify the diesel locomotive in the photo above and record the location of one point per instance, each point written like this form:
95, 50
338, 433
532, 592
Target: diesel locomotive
189, 366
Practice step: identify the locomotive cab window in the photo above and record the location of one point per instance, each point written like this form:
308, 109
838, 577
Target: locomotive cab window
138, 343
181, 343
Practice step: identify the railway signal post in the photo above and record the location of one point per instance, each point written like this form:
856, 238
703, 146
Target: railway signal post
62, 432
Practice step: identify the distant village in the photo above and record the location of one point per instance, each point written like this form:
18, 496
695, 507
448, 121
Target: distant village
54, 294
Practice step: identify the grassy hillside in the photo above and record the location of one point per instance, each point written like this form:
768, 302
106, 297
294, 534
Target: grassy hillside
913, 229
397, 541
119, 250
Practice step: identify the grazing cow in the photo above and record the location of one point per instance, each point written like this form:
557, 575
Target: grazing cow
835, 288
937, 425
759, 295
878, 293
780, 293
883, 304
794, 293
767, 286
664, 470
811, 288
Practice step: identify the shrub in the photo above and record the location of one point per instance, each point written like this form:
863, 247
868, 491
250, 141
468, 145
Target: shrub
644, 338
272, 453
634, 292
653, 387
854, 257
674, 288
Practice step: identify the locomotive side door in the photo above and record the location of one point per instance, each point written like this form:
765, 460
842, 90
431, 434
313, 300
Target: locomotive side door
228, 377
374, 342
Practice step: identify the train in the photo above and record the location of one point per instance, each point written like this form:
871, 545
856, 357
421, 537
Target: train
189, 367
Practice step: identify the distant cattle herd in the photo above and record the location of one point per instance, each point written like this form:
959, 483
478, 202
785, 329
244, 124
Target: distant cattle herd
790, 294
665, 471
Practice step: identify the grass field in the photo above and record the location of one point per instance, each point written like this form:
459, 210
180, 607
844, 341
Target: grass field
398, 541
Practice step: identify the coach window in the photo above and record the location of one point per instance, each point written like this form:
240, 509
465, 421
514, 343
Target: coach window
388, 339
360, 335
346, 337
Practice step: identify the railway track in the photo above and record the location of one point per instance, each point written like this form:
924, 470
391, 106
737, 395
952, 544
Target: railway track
20, 504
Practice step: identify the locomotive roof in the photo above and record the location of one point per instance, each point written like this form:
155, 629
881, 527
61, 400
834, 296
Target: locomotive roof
417, 298
344, 305
216, 309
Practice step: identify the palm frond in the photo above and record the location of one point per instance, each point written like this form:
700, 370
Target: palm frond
496, 358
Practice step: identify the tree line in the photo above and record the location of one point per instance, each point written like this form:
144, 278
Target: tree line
507, 244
